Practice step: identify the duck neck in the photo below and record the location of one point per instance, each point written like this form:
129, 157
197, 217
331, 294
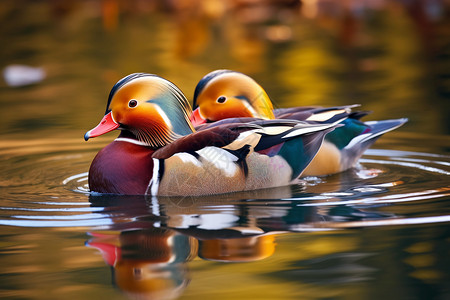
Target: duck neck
263, 106
128, 137
153, 140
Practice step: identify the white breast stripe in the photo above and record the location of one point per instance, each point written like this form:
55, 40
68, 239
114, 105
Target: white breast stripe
154, 182
132, 141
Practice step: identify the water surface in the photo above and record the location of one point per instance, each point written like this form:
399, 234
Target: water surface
380, 230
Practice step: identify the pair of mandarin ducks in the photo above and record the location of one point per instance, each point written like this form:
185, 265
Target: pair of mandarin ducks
233, 141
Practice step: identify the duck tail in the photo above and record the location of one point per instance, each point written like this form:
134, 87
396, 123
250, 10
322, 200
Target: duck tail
351, 153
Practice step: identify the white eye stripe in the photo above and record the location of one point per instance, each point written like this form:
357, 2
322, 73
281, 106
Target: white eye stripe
250, 108
163, 116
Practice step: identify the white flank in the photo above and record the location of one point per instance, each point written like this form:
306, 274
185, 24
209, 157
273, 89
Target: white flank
221, 159
188, 158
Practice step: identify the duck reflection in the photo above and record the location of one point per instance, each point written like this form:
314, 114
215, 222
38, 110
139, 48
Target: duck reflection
147, 263
244, 249
151, 240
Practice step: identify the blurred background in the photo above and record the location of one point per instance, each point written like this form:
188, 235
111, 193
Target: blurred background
59, 59
58, 62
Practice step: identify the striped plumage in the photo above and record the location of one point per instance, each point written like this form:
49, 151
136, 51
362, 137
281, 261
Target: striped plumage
158, 152
227, 94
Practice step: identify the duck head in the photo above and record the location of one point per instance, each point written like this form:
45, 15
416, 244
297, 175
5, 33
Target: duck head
146, 108
225, 94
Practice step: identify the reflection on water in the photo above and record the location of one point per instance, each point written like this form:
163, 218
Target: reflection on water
378, 231
361, 232
149, 262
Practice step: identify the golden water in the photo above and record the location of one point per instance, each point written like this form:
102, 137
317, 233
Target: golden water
378, 231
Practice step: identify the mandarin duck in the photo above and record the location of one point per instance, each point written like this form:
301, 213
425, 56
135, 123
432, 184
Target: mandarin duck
158, 151
225, 94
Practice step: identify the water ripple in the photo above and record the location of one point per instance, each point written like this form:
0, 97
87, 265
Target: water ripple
406, 164
417, 196
98, 223
369, 223
387, 189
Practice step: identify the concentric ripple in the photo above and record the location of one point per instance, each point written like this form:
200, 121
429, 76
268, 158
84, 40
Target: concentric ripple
49, 189
77, 183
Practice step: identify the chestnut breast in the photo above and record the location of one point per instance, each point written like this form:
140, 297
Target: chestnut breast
121, 168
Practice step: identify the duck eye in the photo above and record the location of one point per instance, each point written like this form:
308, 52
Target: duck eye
221, 99
132, 103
